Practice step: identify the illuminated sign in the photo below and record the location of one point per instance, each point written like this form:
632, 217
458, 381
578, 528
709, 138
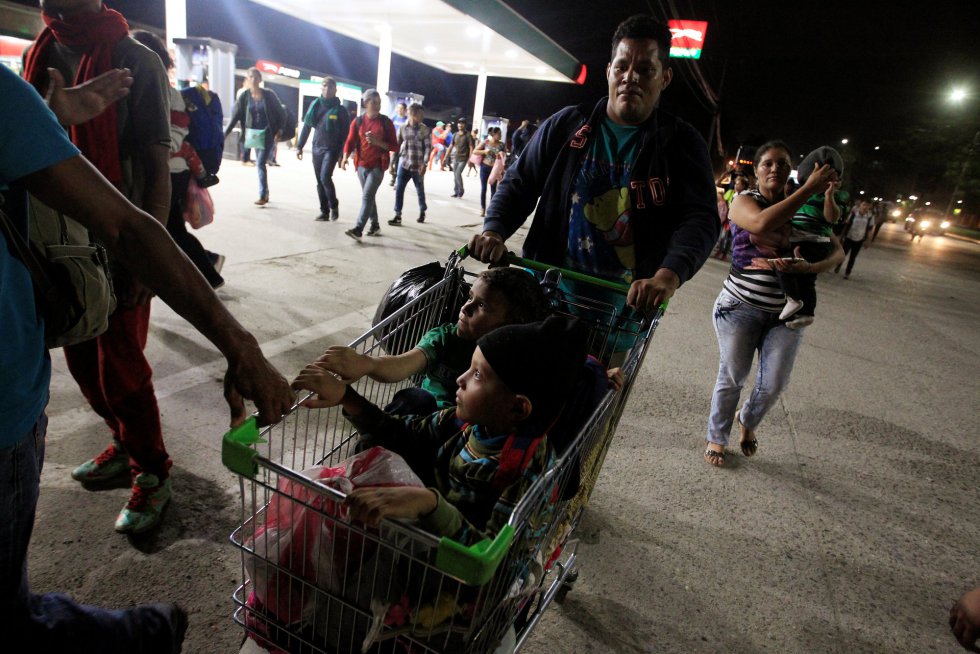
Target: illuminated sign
278, 69
687, 38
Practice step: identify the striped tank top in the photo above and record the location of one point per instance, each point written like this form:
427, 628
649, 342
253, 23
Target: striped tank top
758, 287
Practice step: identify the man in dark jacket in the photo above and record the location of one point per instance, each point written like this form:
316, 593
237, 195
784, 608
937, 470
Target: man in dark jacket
623, 191
330, 122
260, 111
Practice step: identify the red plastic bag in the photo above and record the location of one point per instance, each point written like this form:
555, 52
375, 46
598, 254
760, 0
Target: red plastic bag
298, 541
198, 206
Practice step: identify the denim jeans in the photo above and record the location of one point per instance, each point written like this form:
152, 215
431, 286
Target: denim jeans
401, 181
261, 159
458, 168
324, 163
484, 178
743, 330
370, 179
53, 622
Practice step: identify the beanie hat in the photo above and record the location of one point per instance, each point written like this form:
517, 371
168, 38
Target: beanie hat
540, 360
822, 155
370, 94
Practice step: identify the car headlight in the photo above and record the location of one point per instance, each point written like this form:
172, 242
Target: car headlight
925, 224
944, 224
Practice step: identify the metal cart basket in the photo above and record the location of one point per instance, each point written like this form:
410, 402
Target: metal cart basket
336, 586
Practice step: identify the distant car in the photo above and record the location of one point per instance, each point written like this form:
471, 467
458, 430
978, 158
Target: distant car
926, 221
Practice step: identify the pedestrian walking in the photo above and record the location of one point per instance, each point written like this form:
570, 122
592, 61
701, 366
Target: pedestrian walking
414, 144
857, 234
746, 313
262, 118
330, 123
462, 148
370, 139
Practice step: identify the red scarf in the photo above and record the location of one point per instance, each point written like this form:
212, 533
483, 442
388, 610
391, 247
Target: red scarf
97, 33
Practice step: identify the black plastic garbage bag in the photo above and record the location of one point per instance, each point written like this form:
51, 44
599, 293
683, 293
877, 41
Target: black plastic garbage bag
403, 335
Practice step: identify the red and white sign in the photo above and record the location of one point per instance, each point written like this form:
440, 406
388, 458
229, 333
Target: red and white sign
278, 69
687, 38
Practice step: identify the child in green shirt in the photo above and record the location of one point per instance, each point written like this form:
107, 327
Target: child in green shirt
498, 297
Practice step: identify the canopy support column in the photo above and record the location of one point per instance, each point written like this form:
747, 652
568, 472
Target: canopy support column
481, 92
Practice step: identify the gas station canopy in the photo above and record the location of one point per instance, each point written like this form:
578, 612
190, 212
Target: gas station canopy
464, 37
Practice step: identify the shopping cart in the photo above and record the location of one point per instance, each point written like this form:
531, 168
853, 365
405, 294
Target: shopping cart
342, 587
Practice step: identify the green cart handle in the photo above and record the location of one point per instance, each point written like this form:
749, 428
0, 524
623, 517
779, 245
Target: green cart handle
476, 564
514, 260
236, 453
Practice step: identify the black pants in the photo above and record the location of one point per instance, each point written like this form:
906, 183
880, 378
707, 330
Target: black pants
851, 248
178, 229
803, 287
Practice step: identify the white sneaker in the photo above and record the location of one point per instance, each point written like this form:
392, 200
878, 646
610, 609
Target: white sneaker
800, 323
792, 306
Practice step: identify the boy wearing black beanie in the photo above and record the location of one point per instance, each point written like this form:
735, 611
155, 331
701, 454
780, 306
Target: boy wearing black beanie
511, 394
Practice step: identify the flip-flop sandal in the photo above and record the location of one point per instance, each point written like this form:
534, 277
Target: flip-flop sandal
749, 447
714, 457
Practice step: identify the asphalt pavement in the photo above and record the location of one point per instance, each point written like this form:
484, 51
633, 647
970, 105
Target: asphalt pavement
853, 529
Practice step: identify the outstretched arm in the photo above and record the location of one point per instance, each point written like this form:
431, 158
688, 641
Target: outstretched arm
351, 365
143, 246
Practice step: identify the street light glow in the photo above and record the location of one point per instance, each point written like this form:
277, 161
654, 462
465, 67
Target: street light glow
843, 141
877, 147
958, 94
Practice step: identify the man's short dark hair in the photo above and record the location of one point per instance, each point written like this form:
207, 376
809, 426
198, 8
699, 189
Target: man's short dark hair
642, 26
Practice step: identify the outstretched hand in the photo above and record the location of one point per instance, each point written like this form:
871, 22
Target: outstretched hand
346, 362
329, 389
252, 376
79, 104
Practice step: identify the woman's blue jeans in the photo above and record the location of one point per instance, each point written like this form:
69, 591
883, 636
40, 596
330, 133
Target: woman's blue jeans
742, 331
261, 160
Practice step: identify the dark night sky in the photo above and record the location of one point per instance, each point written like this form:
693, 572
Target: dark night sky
807, 72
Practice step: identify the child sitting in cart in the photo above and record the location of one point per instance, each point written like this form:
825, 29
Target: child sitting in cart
500, 296
478, 458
